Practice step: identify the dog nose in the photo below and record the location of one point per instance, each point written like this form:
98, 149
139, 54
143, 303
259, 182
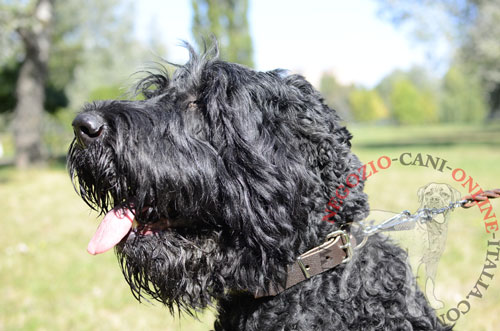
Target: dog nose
88, 127
435, 200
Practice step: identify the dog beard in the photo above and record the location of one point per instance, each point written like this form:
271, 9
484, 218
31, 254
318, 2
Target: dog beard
175, 268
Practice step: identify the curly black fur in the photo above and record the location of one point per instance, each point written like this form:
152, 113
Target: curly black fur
243, 163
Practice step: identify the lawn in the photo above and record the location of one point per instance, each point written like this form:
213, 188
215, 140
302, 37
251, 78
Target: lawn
49, 282
476, 150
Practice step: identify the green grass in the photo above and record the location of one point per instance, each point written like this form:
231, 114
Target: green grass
477, 151
49, 282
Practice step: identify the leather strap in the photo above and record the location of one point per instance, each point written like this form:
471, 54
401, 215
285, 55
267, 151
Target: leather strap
335, 250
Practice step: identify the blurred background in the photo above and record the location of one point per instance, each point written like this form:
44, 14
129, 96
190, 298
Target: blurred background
406, 76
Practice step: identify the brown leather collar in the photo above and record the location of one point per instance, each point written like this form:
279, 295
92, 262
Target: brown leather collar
337, 249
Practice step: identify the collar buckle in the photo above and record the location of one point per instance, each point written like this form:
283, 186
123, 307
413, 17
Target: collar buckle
346, 240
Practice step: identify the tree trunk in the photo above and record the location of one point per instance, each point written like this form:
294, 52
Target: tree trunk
30, 87
494, 103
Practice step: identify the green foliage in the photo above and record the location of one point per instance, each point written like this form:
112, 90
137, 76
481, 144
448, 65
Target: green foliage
67, 43
227, 21
106, 93
410, 105
462, 99
55, 97
386, 85
80, 33
109, 53
367, 105
91, 44
411, 96
8, 77
336, 95
419, 76
57, 132
469, 27
481, 50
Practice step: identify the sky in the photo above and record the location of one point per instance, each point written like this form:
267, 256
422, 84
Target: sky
305, 36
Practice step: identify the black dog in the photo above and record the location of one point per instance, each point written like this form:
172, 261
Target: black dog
227, 172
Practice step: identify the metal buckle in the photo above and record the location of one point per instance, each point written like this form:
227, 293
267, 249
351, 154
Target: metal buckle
303, 268
347, 247
339, 234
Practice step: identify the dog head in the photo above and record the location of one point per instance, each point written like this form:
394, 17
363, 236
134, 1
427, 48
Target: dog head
226, 172
436, 195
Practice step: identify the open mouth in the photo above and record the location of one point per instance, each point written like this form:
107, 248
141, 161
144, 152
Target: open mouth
118, 223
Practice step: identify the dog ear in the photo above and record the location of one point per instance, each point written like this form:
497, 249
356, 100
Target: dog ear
420, 193
455, 194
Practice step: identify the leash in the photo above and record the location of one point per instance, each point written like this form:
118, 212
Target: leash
339, 245
406, 220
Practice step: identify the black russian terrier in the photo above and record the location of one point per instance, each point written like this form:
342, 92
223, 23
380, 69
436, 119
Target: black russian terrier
214, 190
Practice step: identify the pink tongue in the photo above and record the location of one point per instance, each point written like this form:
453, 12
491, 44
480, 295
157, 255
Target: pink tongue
113, 228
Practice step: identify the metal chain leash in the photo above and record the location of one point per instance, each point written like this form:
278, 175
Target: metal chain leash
406, 220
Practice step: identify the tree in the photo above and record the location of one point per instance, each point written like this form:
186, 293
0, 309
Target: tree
227, 21
420, 86
110, 55
8, 77
34, 34
469, 26
419, 76
36, 65
462, 99
367, 105
410, 105
58, 50
481, 50
55, 96
336, 95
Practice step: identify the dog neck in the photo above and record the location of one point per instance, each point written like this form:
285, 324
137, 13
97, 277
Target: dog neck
337, 249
